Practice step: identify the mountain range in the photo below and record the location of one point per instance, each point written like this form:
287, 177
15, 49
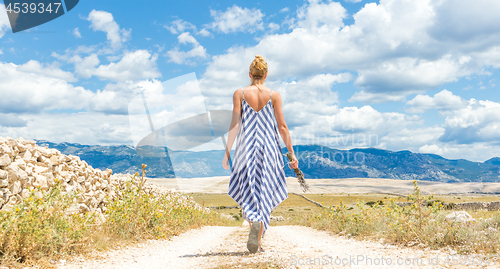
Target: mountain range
315, 161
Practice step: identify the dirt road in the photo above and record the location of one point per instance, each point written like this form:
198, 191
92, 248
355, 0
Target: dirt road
286, 246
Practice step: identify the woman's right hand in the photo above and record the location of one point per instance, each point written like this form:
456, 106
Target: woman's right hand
294, 163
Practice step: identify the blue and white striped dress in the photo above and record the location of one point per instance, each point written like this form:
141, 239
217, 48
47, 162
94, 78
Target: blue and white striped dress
258, 181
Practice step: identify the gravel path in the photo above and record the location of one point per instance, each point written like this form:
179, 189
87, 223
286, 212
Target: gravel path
287, 246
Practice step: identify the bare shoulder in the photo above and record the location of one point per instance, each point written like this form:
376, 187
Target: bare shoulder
275, 97
237, 93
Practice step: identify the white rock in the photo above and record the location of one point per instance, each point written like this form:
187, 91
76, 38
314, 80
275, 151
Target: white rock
4, 183
26, 156
41, 181
10, 203
25, 142
21, 147
25, 193
15, 187
3, 174
5, 160
54, 160
13, 172
20, 163
458, 216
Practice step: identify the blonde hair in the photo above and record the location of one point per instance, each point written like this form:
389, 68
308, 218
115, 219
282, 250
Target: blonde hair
258, 68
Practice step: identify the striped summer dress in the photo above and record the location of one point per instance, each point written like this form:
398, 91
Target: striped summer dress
257, 181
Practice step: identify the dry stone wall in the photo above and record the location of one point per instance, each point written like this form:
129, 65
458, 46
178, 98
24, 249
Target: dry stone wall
27, 167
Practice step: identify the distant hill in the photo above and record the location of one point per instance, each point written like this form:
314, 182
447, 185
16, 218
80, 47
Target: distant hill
315, 162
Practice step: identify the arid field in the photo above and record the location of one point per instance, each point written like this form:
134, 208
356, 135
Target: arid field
338, 186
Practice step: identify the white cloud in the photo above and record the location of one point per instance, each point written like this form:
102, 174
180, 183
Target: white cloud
88, 128
179, 26
273, 26
34, 88
377, 97
76, 33
321, 100
4, 21
480, 25
204, 32
433, 149
285, 9
84, 67
389, 46
318, 14
368, 120
139, 64
442, 101
479, 121
353, 1
11, 120
49, 70
183, 57
104, 21
237, 19
410, 74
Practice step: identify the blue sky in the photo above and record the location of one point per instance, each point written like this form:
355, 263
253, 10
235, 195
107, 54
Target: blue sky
399, 75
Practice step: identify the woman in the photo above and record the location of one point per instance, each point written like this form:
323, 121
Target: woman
258, 181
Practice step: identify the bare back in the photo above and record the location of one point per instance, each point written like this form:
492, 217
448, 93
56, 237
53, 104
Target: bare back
256, 98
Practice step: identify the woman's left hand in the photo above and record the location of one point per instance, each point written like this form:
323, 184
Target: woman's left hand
225, 161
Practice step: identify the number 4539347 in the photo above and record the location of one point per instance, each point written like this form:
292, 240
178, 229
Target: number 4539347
32, 8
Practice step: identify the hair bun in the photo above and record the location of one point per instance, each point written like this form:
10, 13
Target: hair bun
258, 68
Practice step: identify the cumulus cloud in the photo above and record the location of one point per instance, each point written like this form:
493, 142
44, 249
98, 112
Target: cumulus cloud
4, 21
139, 64
183, 57
479, 121
410, 74
317, 14
135, 65
11, 120
179, 26
89, 128
237, 19
47, 70
450, 24
377, 97
32, 88
442, 101
104, 21
76, 33
390, 46
317, 90
273, 26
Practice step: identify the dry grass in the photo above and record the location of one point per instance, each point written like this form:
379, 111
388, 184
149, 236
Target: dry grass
411, 225
40, 229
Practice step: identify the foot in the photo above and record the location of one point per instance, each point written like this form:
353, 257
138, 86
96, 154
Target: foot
253, 237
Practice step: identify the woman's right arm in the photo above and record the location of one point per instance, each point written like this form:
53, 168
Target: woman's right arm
283, 128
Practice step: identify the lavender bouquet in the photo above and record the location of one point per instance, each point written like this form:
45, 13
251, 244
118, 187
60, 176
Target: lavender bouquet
300, 175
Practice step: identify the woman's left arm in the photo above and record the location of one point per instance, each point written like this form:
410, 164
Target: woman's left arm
235, 121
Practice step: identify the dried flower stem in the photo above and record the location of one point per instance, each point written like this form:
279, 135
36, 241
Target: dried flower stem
300, 175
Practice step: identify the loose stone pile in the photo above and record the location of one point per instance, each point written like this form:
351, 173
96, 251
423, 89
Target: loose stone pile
27, 167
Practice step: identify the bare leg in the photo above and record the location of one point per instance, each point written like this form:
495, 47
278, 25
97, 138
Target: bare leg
261, 232
249, 224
